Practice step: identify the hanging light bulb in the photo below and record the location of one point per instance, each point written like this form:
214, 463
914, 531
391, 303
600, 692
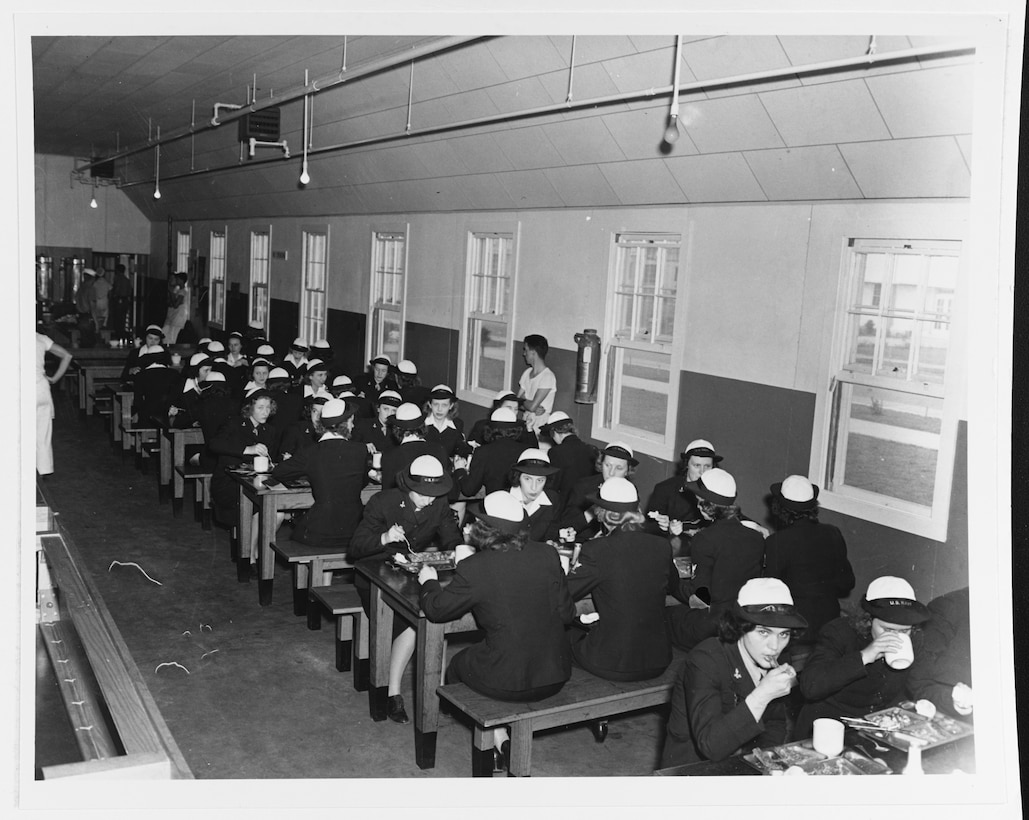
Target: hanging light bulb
672, 131
304, 176
92, 200
157, 192
157, 166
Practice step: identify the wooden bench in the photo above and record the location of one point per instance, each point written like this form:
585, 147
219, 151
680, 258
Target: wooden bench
343, 602
310, 567
138, 434
585, 697
201, 492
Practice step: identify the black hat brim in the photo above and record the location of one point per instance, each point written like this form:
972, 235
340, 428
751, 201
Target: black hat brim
436, 489
781, 617
789, 504
910, 613
700, 491
614, 506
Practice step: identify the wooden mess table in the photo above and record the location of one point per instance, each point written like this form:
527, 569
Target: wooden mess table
173, 454
395, 592
92, 374
944, 759
255, 498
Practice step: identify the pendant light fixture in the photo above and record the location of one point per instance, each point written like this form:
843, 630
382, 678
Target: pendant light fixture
672, 131
92, 201
157, 166
304, 176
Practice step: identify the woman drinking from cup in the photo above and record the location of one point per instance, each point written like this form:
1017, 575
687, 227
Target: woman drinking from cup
516, 589
528, 479
860, 664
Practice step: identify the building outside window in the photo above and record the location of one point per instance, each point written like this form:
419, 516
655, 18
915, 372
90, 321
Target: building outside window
890, 430
489, 297
216, 298
641, 363
260, 263
313, 306
386, 308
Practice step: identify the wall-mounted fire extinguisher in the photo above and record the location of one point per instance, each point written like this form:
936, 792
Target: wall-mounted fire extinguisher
587, 366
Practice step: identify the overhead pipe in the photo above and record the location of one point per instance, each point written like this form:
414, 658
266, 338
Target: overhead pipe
438, 46
228, 107
628, 96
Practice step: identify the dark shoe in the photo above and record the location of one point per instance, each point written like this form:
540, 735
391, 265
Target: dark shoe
395, 709
501, 757
599, 729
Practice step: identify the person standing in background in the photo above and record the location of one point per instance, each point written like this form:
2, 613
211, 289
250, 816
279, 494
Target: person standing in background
178, 307
84, 308
537, 385
121, 299
45, 401
100, 303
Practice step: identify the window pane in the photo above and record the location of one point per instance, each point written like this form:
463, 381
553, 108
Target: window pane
907, 278
888, 443
647, 273
939, 291
870, 273
896, 348
640, 386
487, 353
863, 331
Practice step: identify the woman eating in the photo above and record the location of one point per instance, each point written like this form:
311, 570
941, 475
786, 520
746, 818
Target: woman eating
528, 478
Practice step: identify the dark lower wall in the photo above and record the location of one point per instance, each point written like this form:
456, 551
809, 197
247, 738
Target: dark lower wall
283, 324
435, 352
345, 333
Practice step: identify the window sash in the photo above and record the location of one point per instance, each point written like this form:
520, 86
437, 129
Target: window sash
216, 299
646, 284
488, 327
314, 303
490, 277
388, 268
260, 244
182, 248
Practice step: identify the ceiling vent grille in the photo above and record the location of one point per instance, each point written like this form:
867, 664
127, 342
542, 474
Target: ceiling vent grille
261, 125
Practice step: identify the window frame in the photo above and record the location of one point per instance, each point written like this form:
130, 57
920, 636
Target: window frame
894, 513
265, 285
377, 308
512, 231
660, 446
306, 329
183, 258
214, 276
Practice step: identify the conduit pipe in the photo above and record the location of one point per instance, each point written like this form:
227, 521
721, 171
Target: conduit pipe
740, 79
318, 85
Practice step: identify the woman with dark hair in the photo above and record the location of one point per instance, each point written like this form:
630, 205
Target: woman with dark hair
378, 378
672, 508
617, 460
528, 479
810, 557
314, 379
409, 384
335, 466
505, 398
306, 431
575, 458
374, 432
517, 592
731, 694
248, 435
726, 553
182, 412
628, 572
490, 465
853, 669
441, 422
407, 429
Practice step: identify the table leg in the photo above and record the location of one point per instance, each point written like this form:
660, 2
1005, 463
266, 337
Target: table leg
265, 556
361, 642
380, 639
243, 536
482, 752
178, 482
164, 470
521, 749
429, 658
117, 417
126, 420
87, 396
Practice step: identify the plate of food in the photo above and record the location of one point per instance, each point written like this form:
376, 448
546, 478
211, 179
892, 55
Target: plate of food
685, 567
414, 561
899, 726
800, 758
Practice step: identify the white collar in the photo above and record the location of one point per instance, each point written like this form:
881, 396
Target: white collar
542, 500
446, 423
327, 436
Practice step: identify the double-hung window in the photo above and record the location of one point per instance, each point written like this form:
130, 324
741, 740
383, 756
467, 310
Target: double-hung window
260, 264
641, 365
216, 297
182, 249
313, 305
890, 430
489, 298
386, 309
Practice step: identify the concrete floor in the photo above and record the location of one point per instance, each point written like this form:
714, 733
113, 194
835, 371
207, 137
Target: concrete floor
262, 698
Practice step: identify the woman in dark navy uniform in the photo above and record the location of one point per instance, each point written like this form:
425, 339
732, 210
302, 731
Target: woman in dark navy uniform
491, 464
369, 385
672, 508
335, 466
628, 572
528, 479
617, 460
305, 432
409, 385
575, 458
412, 517
407, 427
516, 589
374, 432
508, 399
441, 422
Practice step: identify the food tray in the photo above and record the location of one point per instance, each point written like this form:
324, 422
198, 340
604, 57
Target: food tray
900, 725
780, 758
684, 566
442, 560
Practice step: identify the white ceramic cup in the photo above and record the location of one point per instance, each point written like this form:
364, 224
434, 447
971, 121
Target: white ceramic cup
828, 737
261, 464
376, 461
176, 359
903, 657
565, 563
462, 551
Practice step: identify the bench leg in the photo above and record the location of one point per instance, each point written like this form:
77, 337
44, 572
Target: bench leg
177, 506
521, 749
361, 653
300, 575
344, 642
425, 749
482, 752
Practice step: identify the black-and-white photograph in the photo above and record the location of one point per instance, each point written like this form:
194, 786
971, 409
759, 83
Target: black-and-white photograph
426, 395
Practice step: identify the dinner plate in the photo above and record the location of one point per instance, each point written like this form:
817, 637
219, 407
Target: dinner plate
440, 561
802, 755
898, 726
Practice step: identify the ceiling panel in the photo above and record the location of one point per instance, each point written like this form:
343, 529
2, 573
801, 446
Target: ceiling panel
485, 193
964, 142
583, 141
722, 57
519, 95
715, 178
805, 50
643, 181
595, 48
529, 189
440, 157
431, 81
527, 147
728, 124
828, 113
652, 69
521, 57
650, 42
470, 105
471, 68
817, 172
927, 102
480, 153
588, 82
929, 167
639, 134
582, 185
437, 194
